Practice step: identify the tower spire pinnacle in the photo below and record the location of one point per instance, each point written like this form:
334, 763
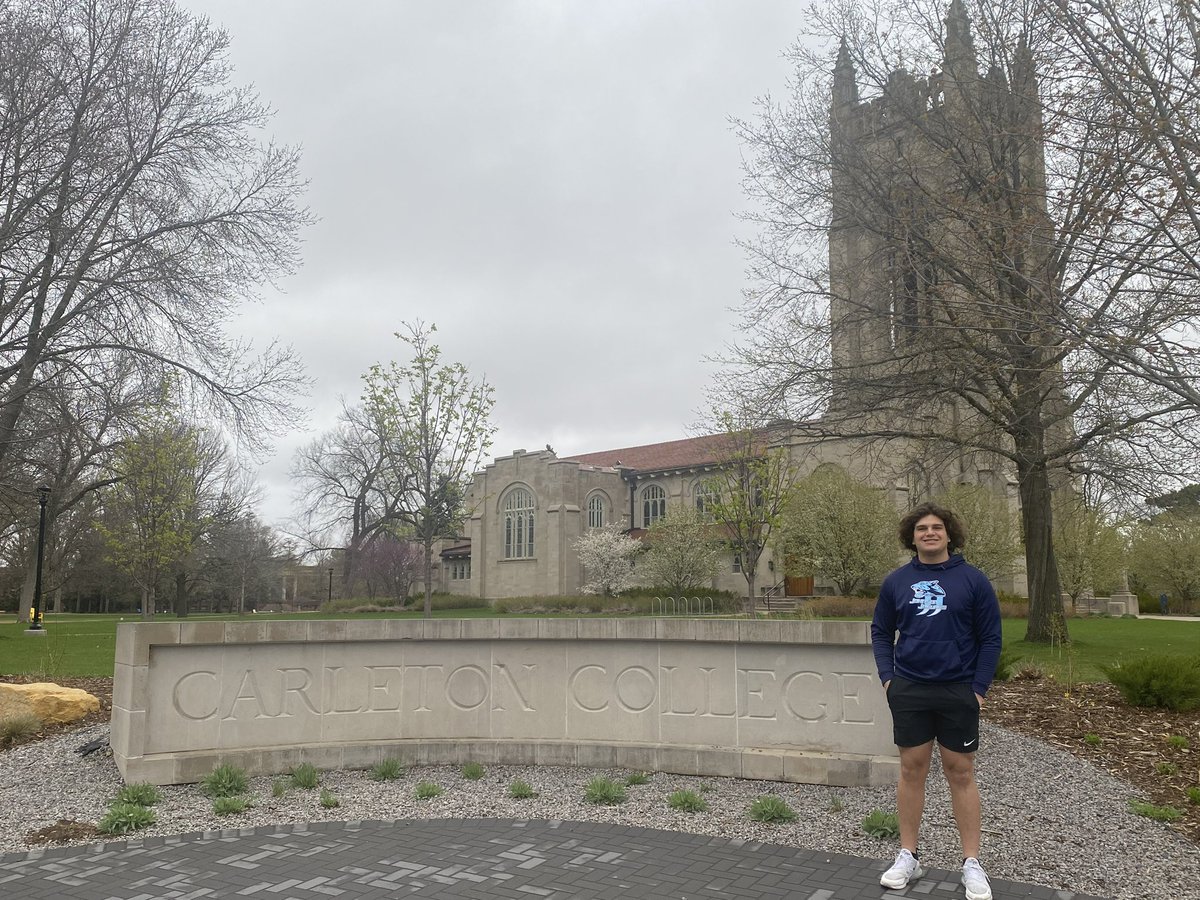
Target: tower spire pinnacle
845, 85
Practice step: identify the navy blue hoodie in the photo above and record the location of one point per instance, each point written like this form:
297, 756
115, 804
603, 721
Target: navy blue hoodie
949, 623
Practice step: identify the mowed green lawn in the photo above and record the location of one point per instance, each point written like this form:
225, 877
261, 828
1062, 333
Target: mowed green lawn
84, 645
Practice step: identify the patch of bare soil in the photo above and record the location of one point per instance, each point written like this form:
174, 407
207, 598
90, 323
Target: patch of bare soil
1132, 743
61, 832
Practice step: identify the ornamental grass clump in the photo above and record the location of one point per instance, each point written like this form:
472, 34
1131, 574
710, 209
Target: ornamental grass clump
427, 790
636, 778
306, 776
225, 781
387, 770
139, 794
472, 771
772, 810
687, 801
231, 806
521, 790
123, 818
880, 824
18, 727
329, 800
604, 792
1157, 813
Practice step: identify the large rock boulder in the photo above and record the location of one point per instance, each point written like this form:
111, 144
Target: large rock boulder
49, 702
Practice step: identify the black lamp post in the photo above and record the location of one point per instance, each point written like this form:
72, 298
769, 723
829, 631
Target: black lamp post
35, 611
330, 584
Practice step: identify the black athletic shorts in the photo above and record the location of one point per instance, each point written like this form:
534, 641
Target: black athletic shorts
922, 712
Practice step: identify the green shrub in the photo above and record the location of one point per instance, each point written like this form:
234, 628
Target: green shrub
1166, 681
1092, 739
139, 794
1157, 813
329, 800
306, 776
231, 806
604, 792
122, 818
279, 787
387, 770
769, 808
427, 790
1005, 667
1178, 742
1166, 768
688, 801
521, 790
1193, 795
225, 781
472, 770
636, 778
18, 727
881, 824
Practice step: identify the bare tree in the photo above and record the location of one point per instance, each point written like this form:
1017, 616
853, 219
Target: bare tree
139, 207
996, 266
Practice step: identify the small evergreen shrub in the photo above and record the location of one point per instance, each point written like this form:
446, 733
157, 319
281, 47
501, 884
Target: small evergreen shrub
771, 809
472, 771
1157, 813
329, 800
1178, 742
1092, 739
1172, 682
225, 781
1007, 663
231, 806
604, 792
1193, 795
123, 818
636, 778
306, 776
18, 727
880, 824
387, 770
688, 801
139, 794
427, 790
521, 790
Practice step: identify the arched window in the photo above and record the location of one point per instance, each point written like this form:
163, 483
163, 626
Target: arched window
654, 505
595, 508
705, 495
518, 524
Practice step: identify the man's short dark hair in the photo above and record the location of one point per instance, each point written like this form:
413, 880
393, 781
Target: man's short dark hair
955, 530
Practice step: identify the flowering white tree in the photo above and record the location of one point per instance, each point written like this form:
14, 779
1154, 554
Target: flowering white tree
607, 556
683, 554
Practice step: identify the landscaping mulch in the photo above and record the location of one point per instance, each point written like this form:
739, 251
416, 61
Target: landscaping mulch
1131, 742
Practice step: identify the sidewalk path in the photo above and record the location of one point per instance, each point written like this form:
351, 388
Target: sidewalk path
461, 858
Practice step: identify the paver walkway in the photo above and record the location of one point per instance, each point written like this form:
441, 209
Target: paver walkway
461, 858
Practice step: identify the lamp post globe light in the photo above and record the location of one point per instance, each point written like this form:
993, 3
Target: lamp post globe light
35, 609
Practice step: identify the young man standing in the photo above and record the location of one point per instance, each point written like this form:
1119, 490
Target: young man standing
936, 674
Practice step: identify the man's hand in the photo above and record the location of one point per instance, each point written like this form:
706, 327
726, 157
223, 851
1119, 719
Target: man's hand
979, 697
886, 685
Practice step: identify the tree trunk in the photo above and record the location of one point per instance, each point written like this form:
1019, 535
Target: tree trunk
751, 602
1046, 621
182, 595
148, 603
428, 578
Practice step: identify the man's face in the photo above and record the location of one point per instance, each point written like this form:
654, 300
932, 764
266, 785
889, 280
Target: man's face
930, 538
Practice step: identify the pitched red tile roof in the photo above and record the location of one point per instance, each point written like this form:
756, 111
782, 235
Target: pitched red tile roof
706, 449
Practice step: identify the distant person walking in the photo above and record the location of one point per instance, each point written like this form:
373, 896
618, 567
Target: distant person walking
936, 674
1164, 603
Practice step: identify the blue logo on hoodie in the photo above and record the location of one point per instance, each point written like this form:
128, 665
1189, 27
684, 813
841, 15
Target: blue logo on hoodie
930, 597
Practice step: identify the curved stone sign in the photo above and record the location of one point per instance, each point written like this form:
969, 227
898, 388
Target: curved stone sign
791, 701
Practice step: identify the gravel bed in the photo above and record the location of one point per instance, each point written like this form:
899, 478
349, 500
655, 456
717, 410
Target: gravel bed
1049, 817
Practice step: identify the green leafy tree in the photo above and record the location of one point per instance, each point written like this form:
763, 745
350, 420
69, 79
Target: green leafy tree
1090, 548
435, 425
150, 513
993, 545
750, 490
1165, 555
683, 551
607, 555
839, 530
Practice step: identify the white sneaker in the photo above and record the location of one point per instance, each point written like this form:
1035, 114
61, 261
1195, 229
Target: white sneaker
975, 880
906, 868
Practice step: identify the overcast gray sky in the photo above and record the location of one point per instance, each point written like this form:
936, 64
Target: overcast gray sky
553, 183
